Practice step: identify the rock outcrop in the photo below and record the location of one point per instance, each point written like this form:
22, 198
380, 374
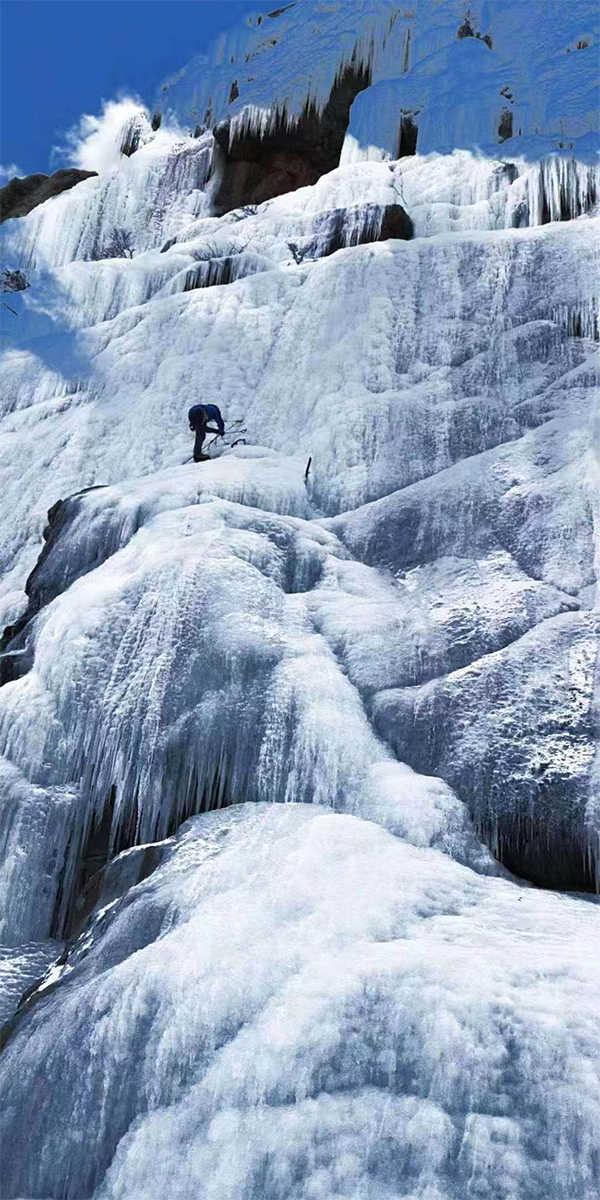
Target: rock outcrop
20, 196
254, 166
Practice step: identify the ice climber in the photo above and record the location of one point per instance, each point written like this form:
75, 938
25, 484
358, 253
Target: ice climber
198, 417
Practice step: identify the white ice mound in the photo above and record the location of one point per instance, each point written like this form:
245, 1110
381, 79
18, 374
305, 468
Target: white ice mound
297, 1004
188, 672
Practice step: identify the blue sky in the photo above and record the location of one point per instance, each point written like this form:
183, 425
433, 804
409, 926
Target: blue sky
60, 58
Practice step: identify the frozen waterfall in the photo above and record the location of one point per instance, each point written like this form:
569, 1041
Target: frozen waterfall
299, 789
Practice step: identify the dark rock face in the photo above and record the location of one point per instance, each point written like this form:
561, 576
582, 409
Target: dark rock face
254, 169
20, 196
272, 173
466, 30
396, 223
407, 140
101, 878
13, 280
132, 134
111, 882
505, 126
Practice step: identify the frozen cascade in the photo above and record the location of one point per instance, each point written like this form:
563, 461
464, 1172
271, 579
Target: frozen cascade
260, 729
92, 391
580, 320
86, 528
343, 994
293, 994
462, 82
216, 271
150, 194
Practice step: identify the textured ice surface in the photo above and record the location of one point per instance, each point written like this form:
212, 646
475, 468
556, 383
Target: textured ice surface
297, 1003
150, 195
89, 526
515, 734
186, 672
401, 335
352, 999
21, 969
457, 87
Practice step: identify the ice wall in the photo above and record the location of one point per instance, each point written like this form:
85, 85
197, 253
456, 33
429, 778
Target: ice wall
223, 702
297, 1003
109, 401
344, 993
425, 401
150, 194
457, 75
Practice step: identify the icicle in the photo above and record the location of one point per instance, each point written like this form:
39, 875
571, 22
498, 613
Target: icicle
149, 196
559, 189
357, 226
579, 320
215, 272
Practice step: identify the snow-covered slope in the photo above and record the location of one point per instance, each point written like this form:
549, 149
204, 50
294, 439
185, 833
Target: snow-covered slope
455, 69
345, 994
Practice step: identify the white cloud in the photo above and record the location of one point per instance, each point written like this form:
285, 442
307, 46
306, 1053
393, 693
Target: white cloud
8, 171
93, 143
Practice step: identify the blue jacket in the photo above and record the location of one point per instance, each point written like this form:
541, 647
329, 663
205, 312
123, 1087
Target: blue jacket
200, 414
